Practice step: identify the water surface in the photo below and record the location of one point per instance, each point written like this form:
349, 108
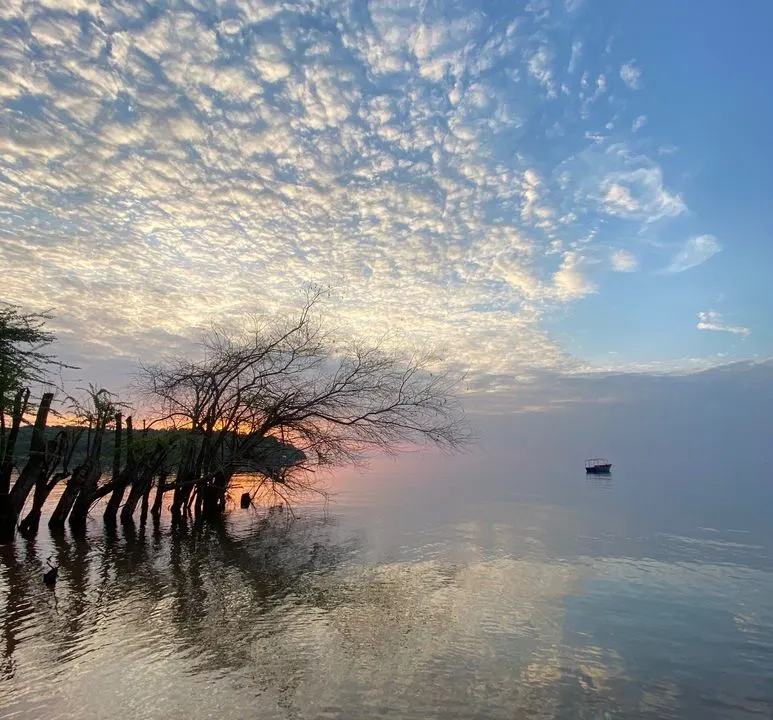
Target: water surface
478, 586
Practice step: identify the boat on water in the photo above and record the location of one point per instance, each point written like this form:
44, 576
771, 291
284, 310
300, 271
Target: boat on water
598, 466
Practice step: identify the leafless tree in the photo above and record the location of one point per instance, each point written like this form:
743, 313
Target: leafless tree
286, 397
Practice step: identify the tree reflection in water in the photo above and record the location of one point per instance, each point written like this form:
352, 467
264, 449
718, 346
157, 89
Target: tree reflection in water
206, 584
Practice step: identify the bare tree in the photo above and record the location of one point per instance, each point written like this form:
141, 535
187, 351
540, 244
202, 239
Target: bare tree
285, 397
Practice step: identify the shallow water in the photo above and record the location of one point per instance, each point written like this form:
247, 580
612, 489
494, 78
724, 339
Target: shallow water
431, 587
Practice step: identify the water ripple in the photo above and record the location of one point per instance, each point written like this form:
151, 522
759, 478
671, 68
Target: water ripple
483, 618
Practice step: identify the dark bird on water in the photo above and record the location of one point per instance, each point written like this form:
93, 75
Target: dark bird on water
50, 576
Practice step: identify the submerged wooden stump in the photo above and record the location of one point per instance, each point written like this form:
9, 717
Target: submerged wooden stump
7, 519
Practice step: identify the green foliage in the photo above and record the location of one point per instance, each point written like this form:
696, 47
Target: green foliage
273, 451
23, 360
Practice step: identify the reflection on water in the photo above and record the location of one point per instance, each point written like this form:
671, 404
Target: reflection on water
441, 601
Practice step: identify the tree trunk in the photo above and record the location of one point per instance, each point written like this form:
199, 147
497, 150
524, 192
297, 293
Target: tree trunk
88, 489
183, 487
143, 482
85, 495
138, 488
155, 511
11, 504
68, 497
145, 502
28, 527
45, 483
117, 448
213, 496
121, 479
7, 519
198, 500
6, 461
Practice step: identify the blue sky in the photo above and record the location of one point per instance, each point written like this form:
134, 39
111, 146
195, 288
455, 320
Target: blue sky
544, 187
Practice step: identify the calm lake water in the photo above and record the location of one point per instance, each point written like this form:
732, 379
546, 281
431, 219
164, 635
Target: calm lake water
481, 586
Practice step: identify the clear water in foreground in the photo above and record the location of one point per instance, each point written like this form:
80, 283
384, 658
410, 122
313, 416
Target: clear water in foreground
471, 587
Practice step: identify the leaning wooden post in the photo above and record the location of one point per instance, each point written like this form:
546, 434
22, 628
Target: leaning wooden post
20, 402
8, 516
117, 449
36, 463
121, 479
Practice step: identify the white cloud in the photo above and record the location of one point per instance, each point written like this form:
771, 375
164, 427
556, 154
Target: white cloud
532, 209
624, 261
639, 123
569, 281
711, 320
696, 251
639, 194
631, 75
619, 199
540, 69
178, 165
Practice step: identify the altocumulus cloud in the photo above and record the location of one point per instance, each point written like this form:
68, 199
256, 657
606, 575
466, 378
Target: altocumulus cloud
165, 167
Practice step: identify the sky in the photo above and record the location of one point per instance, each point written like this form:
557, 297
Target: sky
538, 189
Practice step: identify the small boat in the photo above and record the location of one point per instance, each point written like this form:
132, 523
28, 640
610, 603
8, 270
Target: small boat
598, 466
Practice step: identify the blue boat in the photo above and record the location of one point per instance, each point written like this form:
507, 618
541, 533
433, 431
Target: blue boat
598, 466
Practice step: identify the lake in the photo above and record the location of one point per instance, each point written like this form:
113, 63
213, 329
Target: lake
502, 583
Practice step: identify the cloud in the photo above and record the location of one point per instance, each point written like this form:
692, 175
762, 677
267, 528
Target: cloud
624, 261
696, 251
569, 281
613, 179
532, 210
619, 199
163, 170
575, 57
631, 75
539, 65
639, 123
670, 383
639, 194
711, 320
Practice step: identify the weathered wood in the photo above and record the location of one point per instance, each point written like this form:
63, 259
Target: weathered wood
122, 479
20, 402
142, 481
150, 464
7, 519
155, 511
36, 463
117, 448
68, 497
46, 482
88, 490
145, 502
185, 481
